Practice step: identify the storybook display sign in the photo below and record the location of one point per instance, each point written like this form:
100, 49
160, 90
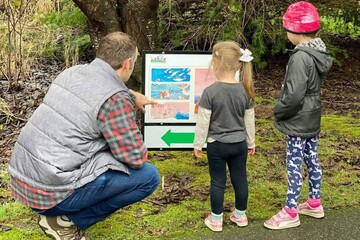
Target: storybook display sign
176, 81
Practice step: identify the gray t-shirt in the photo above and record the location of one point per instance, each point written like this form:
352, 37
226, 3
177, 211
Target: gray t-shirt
227, 102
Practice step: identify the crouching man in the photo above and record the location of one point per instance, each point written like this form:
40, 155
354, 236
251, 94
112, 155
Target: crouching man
81, 156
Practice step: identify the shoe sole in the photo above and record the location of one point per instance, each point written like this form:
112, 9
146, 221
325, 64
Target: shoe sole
239, 224
284, 226
312, 214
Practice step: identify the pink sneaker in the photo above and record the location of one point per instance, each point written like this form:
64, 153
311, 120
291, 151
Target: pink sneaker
282, 220
306, 209
240, 221
215, 225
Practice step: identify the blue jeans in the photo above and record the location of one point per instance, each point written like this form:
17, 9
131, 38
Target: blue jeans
109, 192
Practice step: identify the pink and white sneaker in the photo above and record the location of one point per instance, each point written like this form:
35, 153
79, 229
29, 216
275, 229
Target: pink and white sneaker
215, 225
282, 220
306, 209
240, 221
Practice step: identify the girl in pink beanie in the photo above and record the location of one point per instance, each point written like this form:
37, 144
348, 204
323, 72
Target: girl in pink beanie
298, 113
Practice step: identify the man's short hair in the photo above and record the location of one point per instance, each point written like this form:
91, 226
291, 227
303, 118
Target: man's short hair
116, 47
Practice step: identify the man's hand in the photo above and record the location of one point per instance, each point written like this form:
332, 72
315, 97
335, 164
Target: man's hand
197, 153
141, 100
251, 151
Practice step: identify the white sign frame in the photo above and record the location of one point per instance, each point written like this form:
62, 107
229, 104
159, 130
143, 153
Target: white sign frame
175, 79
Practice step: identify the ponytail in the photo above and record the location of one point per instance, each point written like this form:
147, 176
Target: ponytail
247, 79
229, 56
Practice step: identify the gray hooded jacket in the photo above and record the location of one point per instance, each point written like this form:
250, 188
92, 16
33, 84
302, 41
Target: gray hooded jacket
61, 147
298, 112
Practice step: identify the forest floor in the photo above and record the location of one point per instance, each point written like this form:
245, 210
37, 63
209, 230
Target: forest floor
184, 189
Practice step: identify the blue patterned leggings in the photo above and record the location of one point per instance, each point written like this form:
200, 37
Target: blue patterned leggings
299, 149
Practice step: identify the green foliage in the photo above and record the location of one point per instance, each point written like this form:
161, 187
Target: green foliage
43, 31
348, 10
227, 16
70, 16
251, 23
67, 38
338, 26
15, 3
255, 24
266, 34
258, 44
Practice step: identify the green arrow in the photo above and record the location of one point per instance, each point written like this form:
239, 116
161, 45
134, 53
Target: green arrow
170, 137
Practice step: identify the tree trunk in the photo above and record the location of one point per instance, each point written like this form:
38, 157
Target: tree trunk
102, 17
137, 18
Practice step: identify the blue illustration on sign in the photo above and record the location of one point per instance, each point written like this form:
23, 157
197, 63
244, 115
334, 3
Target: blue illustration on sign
170, 75
170, 91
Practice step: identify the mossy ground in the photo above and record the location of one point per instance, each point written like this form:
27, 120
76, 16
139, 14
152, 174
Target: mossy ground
180, 203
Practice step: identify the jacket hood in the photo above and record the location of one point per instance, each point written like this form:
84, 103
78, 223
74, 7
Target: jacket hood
317, 50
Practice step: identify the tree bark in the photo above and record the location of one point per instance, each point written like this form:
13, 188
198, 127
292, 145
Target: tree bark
102, 17
137, 18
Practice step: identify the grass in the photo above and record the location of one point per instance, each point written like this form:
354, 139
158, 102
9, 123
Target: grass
48, 33
5, 110
338, 150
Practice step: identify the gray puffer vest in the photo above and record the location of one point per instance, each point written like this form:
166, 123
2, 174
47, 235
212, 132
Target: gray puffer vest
61, 147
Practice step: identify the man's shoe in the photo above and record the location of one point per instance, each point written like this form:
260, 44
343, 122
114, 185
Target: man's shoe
240, 221
282, 220
60, 228
306, 209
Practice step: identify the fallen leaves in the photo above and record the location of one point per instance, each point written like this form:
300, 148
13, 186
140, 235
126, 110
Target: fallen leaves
175, 190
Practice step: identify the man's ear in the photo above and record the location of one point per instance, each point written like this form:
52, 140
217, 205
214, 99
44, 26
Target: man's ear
127, 64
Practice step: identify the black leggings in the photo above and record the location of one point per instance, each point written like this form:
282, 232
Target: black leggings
234, 155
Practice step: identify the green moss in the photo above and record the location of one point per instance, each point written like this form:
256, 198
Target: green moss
261, 100
138, 223
347, 126
181, 164
338, 151
20, 233
5, 178
14, 212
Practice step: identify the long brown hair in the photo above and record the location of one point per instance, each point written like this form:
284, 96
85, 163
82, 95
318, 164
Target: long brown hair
226, 57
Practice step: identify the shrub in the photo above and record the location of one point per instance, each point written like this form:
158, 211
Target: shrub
65, 33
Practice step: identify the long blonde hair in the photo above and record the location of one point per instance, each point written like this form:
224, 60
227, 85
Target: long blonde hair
226, 57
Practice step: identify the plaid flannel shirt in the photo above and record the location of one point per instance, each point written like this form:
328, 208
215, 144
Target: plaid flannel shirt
117, 123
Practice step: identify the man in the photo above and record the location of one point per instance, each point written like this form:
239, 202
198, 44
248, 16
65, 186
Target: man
81, 155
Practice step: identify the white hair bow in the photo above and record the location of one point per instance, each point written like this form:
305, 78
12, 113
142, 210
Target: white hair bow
246, 55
